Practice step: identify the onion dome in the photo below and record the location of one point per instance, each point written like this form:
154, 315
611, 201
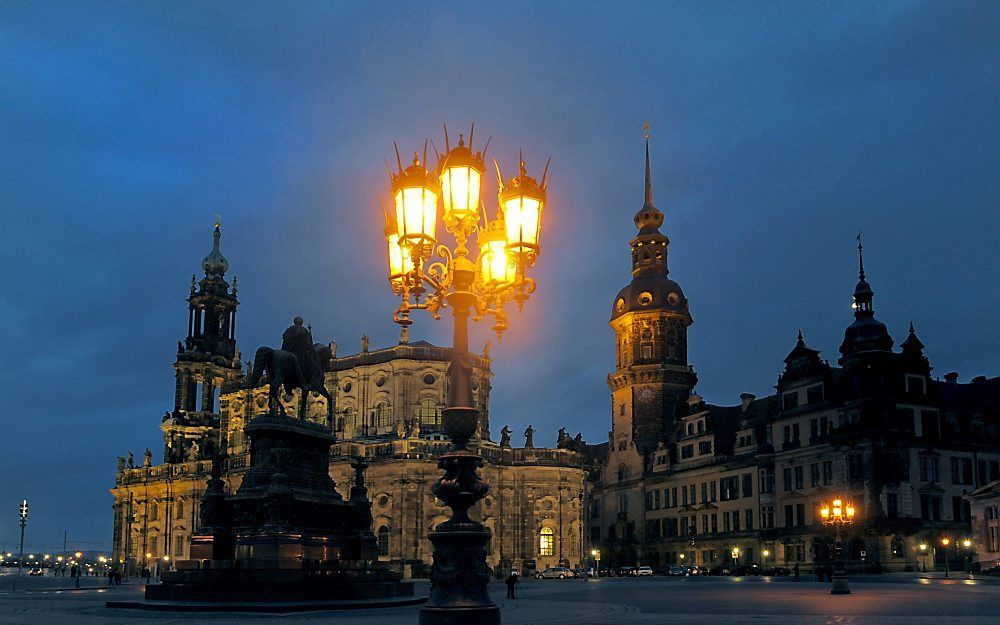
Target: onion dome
215, 264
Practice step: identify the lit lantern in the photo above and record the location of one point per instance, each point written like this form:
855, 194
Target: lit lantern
522, 201
825, 512
400, 258
415, 194
496, 267
461, 181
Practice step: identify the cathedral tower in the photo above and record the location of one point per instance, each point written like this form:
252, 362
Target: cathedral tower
652, 379
206, 359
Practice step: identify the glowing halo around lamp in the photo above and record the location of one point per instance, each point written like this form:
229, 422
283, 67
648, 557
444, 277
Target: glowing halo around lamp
415, 198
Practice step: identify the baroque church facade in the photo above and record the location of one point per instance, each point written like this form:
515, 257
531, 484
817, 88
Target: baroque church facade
386, 409
681, 481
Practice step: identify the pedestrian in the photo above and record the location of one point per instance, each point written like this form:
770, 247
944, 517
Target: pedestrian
118, 577
511, 582
111, 577
795, 569
147, 573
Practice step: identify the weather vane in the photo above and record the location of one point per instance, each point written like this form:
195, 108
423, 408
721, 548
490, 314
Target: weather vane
645, 129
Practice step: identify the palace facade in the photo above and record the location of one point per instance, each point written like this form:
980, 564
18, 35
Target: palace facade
681, 481
386, 408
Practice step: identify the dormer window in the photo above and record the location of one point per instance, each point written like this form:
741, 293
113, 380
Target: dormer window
915, 384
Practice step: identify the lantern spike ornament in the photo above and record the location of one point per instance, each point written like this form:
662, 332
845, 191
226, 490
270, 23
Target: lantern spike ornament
474, 287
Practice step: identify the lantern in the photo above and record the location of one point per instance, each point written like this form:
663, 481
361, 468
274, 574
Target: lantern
461, 180
522, 201
415, 194
496, 267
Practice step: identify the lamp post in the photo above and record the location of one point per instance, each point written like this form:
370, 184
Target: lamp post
838, 514
23, 515
597, 557
967, 559
508, 248
79, 567
945, 541
735, 553
923, 555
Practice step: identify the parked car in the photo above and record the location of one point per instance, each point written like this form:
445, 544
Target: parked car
776, 570
644, 571
606, 572
556, 572
676, 571
745, 570
626, 571
722, 569
694, 569
37, 571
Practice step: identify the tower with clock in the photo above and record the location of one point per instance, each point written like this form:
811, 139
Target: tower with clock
652, 379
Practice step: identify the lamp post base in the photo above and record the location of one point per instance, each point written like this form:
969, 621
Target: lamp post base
840, 586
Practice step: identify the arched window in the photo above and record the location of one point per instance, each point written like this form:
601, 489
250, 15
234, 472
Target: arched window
153, 511
383, 540
546, 541
428, 412
383, 414
179, 508
622, 473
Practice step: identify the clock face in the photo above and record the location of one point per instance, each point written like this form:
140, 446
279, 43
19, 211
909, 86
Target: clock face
645, 394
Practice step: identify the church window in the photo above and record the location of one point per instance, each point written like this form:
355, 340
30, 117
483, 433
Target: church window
647, 351
383, 540
428, 413
622, 473
429, 378
546, 542
645, 298
383, 414
347, 387
179, 509
154, 511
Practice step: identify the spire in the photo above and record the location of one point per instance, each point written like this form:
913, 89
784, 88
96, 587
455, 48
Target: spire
861, 259
215, 264
649, 181
912, 343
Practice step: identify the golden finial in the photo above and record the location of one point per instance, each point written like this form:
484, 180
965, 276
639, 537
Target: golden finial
645, 129
218, 220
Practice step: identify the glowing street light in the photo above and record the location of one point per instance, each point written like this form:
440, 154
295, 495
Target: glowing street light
596, 553
838, 513
945, 541
508, 248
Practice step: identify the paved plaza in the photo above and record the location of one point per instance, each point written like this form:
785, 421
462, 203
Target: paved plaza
597, 602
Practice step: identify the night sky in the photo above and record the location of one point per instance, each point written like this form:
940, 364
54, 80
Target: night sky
779, 131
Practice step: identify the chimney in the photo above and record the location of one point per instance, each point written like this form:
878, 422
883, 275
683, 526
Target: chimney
745, 399
951, 378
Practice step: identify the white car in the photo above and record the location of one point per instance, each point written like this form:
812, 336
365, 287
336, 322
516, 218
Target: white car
644, 570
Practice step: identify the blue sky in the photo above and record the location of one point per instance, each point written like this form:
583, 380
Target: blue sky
779, 130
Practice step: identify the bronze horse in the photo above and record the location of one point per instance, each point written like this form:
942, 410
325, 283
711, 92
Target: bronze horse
283, 370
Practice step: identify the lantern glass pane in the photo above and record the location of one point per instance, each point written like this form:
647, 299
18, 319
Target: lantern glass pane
521, 215
416, 213
460, 191
495, 265
400, 261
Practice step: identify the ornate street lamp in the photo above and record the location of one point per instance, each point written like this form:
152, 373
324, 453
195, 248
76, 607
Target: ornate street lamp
22, 513
945, 541
508, 247
838, 514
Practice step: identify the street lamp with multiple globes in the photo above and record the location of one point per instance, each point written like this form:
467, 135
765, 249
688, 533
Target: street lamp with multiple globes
508, 247
838, 514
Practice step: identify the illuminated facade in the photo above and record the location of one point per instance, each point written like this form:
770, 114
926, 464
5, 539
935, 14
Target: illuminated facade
685, 482
387, 409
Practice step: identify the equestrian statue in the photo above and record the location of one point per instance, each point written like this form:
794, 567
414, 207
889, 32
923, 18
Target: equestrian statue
297, 365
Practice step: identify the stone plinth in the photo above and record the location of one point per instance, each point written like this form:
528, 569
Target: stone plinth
286, 534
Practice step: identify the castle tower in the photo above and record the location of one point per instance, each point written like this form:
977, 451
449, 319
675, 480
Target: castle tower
206, 359
650, 318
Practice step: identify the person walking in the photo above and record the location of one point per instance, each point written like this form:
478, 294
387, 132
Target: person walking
118, 577
795, 570
111, 577
511, 583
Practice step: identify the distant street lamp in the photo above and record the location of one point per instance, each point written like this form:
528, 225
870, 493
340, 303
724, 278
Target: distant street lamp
597, 557
945, 541
765, 553
508, 247
838, 514
79, 567
735, 552
23, 514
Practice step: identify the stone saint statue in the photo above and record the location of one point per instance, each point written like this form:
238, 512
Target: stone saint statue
529, 435
364, 342
147, 458
131, 460
400, 429
562, 439
505, 437
121, 463
194, 451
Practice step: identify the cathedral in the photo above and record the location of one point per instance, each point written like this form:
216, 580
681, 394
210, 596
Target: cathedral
385, 407
680, 481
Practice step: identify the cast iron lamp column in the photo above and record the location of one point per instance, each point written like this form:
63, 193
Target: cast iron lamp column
836, 515
508, 247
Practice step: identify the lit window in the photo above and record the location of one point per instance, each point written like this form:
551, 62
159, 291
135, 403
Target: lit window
546, 542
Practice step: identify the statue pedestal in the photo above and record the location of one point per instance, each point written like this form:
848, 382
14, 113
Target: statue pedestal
286, 534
